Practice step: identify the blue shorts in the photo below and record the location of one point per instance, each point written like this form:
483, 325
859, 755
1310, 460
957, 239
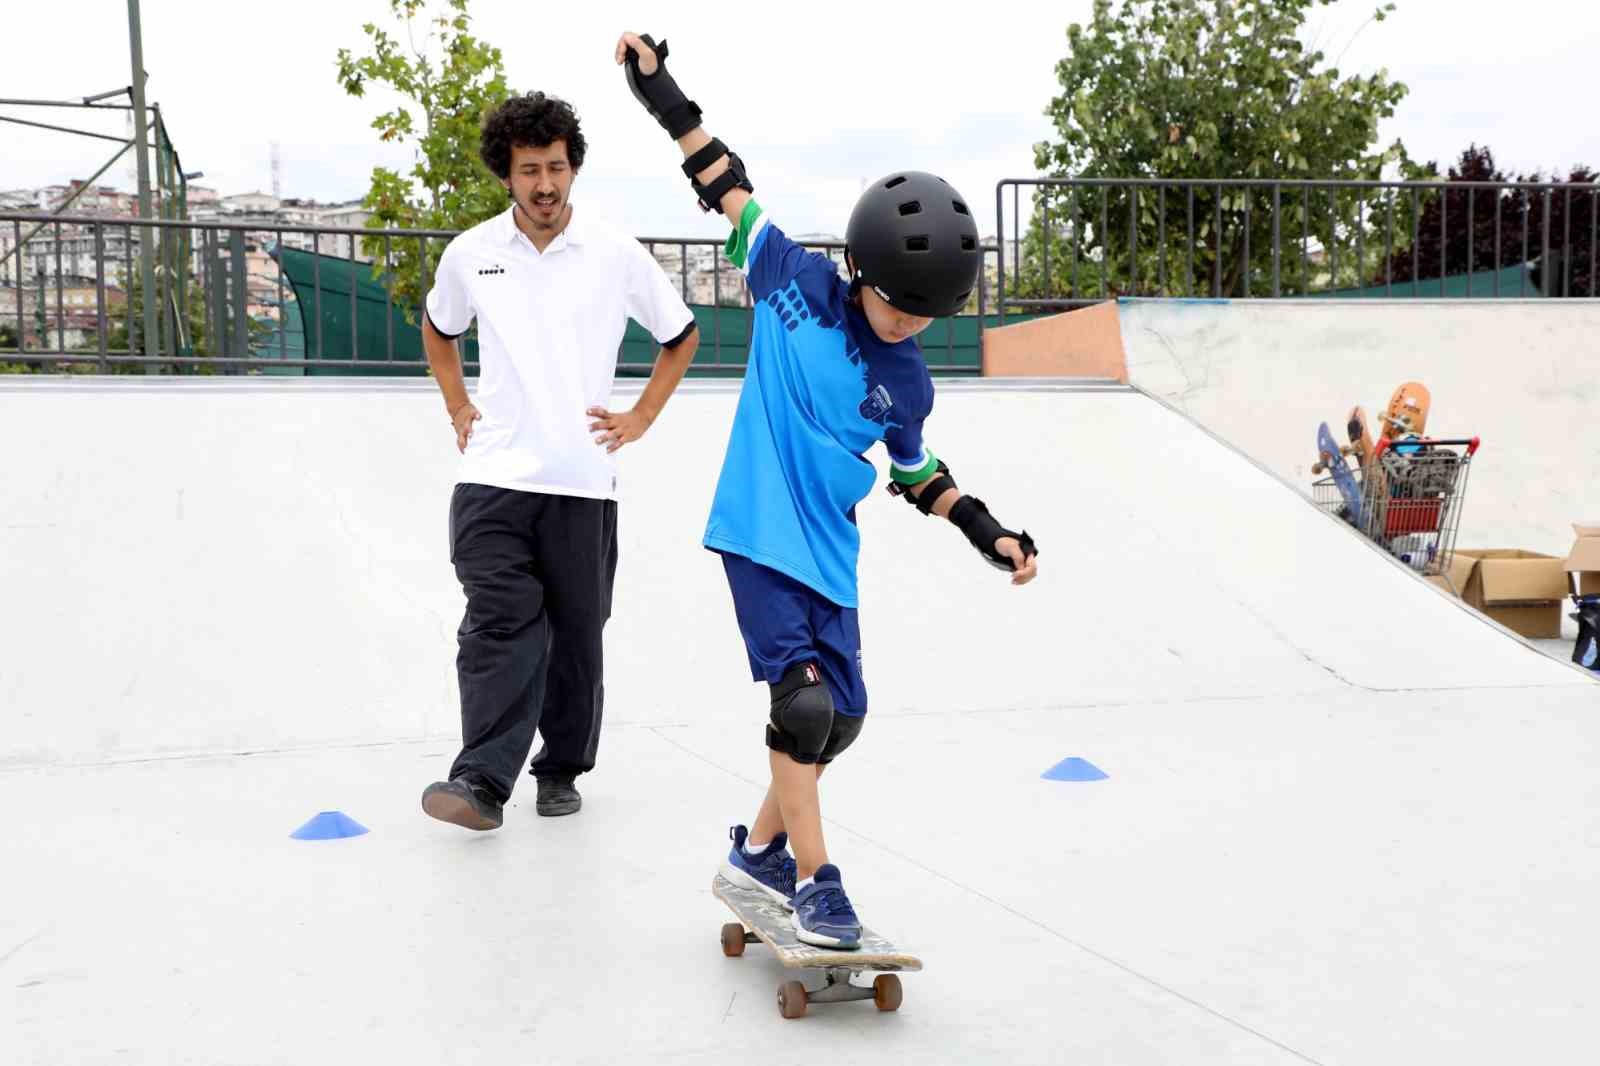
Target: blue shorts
786, 623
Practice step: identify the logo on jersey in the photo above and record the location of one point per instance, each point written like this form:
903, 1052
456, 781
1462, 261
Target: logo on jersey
496, 269
876, 406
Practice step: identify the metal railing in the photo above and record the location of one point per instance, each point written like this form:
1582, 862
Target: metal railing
228, 303
1084, 240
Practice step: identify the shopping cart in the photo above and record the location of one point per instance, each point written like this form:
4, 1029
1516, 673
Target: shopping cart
1411, 498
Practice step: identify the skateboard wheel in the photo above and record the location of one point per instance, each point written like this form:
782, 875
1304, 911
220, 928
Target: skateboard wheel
792, 999
886, 991
733, 940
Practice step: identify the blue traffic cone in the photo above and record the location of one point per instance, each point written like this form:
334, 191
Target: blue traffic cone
329, 825
1074, 769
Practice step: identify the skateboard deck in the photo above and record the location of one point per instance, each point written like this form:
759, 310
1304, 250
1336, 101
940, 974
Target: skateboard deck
1374, 483
763, 919
1333, 460
1362, 446
1407, 413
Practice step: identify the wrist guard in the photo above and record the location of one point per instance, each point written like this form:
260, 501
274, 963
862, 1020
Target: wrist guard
660, 94
972, 517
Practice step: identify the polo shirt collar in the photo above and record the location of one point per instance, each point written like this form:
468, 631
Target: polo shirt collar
573, 234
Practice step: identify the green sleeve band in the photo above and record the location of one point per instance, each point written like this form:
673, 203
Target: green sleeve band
917, 476
738, 247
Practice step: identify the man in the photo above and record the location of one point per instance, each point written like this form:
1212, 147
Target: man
533, 532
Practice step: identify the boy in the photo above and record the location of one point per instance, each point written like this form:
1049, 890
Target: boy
833, 369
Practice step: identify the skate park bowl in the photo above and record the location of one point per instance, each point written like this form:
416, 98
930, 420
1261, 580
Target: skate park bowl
229, 612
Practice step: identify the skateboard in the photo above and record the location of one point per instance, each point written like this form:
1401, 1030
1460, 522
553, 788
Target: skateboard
1362, 445
1374, 483
763, 919
1333, 461
1407, 414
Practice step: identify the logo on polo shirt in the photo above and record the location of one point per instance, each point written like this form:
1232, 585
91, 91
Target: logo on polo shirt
496, 269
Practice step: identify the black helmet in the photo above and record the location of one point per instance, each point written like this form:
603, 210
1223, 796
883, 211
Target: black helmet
912, 238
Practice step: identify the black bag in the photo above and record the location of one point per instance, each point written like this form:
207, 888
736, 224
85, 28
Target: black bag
1586, 653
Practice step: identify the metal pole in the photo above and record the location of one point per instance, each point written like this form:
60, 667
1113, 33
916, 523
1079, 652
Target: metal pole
142, 149
1277, 239
100, 294
1161, 241
60, 129
240, 316
85, 187
61, 298
1000, 265
22, 329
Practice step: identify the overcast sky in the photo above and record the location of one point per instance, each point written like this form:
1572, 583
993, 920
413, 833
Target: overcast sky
816, 105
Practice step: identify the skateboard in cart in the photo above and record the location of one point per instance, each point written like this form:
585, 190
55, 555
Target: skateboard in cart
1362, 446
763, 919
1374, 484
1407, 413
1332, 460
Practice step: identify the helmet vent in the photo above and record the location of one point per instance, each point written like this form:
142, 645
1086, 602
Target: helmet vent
960, 207
968, 243
916, 244
898, 179
910, 207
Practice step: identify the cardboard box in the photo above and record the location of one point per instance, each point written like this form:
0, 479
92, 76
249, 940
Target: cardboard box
1584, 558
1454, 580
1521, 590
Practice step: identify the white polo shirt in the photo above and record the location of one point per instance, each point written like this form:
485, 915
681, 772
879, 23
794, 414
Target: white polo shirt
549, 327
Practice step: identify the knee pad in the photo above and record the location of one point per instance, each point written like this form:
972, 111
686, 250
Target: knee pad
846, 727
801, 719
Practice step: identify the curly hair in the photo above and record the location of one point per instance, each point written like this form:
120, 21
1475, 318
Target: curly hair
531, 121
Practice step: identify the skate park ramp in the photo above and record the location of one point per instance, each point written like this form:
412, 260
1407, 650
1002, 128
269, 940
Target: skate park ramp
228, 607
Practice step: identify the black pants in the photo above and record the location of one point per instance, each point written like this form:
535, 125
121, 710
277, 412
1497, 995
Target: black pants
537, 571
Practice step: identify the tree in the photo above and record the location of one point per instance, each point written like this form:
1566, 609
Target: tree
1185, 90
1464, 230
8, 340
449, 82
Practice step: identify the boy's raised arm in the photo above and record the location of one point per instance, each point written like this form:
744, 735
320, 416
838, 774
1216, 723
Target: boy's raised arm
716, 174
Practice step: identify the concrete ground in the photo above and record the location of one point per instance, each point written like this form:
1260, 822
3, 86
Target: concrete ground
228, 607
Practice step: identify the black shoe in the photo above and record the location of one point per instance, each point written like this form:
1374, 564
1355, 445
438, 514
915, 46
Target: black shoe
463, 804
557, 796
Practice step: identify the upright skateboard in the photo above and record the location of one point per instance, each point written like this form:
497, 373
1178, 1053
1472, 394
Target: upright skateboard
1407, 413
1332, 460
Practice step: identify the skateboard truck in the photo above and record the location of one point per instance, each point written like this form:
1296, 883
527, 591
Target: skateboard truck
837, 986
794, 996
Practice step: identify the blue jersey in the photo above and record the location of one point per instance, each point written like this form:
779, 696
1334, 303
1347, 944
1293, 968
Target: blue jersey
820, 390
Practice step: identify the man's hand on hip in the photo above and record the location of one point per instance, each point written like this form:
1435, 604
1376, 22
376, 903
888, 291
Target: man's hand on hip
615, 430
462, 418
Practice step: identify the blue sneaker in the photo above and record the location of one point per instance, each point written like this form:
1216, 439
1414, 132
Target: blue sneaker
822, 912
771, 872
